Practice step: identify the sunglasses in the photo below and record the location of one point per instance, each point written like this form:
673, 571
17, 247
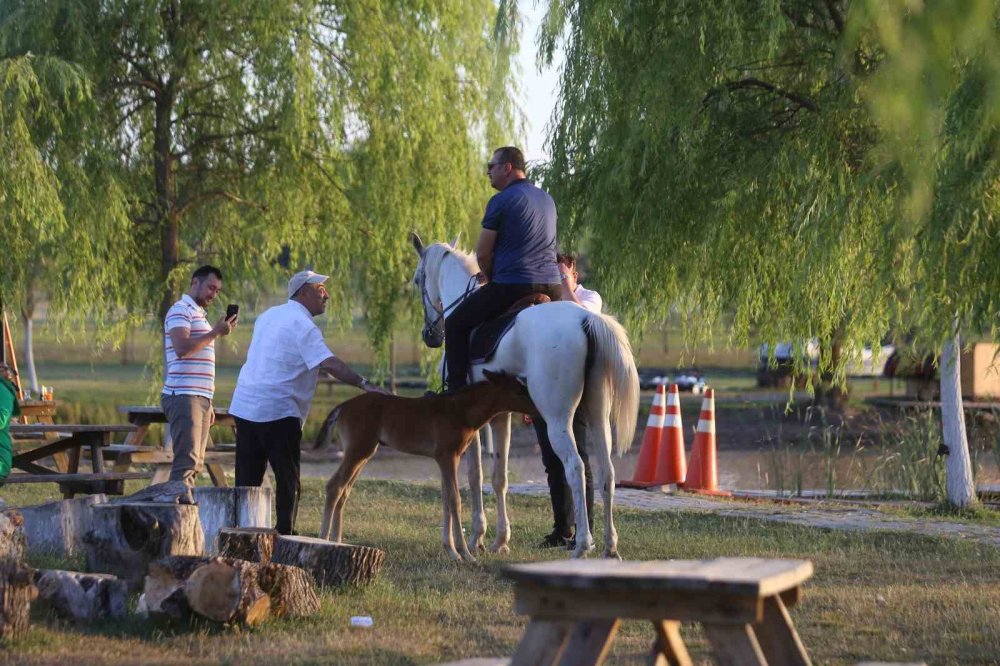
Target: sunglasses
490, 165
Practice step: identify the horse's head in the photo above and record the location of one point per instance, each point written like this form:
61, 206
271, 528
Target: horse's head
515, 394
426, 280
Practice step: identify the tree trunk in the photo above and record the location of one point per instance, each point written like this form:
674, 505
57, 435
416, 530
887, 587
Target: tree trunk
83, 597
17, 591
254, 544
12, 541
126, 538
331, 564
28, 312
165, 197
961, 489
58, 528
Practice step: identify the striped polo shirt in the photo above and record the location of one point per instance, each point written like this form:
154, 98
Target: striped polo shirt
194, 375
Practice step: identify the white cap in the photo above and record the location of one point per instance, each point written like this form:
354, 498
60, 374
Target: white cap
304, 277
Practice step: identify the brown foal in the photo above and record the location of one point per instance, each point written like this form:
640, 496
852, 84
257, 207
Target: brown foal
439, 427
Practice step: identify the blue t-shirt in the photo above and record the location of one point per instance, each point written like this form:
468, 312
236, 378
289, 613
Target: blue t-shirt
524, 218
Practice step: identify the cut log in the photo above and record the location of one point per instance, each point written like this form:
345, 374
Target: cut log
127, 537
58, 528
291, 589
227, 590
169, 492
221, 589
81, 596
163, 589
331, 564
254, 544
12, 541
17, 591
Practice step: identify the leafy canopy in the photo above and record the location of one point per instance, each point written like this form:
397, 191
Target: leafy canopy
746, 163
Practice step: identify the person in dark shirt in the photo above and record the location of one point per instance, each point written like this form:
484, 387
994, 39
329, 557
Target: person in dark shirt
516, 253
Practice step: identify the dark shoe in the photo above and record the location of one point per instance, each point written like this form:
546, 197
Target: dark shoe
554, 540
571, 543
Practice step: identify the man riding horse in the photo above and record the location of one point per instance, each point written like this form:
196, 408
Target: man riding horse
516, 254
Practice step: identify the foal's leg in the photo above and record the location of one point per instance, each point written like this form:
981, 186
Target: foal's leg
598, 413
451, 527
501, 434
357, 452
456, 511
474, 460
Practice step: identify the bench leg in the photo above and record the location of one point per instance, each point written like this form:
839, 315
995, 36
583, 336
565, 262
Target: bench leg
589, 643
777, 636
669, 648
62, 461
542, 643
218, 474
734, 644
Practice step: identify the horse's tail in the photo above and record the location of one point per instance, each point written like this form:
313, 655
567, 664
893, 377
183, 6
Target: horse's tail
328, 430
614, 365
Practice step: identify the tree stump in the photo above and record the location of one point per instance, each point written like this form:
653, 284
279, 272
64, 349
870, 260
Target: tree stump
58, 528
254, 544
291, 589
81, 596
17, 591
127, 537
12, 540
331, 564
226, 589
219, 508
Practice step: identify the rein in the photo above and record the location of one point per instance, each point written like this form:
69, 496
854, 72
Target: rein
434, 328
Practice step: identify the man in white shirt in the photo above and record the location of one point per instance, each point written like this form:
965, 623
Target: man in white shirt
562, 501
189, 372
276, 386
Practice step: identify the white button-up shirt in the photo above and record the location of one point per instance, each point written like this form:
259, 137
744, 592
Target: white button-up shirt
279, 378
589, 299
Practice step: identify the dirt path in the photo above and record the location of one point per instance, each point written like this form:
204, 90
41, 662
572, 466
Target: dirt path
829, 517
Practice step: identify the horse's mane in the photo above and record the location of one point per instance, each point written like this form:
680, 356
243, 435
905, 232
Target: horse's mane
468, 259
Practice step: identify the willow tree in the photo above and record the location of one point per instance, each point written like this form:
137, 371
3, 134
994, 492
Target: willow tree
235, 132
61, 223
738, 159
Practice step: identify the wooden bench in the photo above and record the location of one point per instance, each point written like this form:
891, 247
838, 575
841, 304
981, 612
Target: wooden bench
143, 416
741, 603
109, 483
69, 440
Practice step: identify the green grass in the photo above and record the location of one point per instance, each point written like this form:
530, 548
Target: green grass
878, 596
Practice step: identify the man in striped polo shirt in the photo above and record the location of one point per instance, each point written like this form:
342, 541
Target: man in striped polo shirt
189, 372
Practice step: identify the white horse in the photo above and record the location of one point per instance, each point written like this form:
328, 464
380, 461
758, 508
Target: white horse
548, 348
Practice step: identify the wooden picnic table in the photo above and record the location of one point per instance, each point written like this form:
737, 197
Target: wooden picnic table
35, 441
577, 605
135, 451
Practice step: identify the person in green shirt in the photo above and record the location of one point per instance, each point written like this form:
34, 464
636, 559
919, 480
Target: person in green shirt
8, 408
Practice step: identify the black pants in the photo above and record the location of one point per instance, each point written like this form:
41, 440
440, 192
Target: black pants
488, 302
559, 492
275, 442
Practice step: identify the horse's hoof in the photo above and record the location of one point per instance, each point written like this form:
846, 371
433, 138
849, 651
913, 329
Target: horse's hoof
476, 545
453, 554
500, 549
612, 554
468, 557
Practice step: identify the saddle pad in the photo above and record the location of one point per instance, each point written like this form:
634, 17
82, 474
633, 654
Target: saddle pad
486, 338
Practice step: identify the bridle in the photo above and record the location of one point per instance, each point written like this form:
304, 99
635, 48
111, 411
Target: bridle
433, 333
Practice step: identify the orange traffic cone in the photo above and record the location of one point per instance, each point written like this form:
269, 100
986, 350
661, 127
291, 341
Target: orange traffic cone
645, 468
670, 465
702, 473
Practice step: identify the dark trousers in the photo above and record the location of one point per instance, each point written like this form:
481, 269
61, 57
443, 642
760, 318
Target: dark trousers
562, 499
275, 442
488, 302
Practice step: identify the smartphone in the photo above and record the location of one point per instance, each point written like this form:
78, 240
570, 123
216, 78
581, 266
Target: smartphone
232, 310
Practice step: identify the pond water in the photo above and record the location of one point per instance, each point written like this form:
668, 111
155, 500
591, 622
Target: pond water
738, 470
